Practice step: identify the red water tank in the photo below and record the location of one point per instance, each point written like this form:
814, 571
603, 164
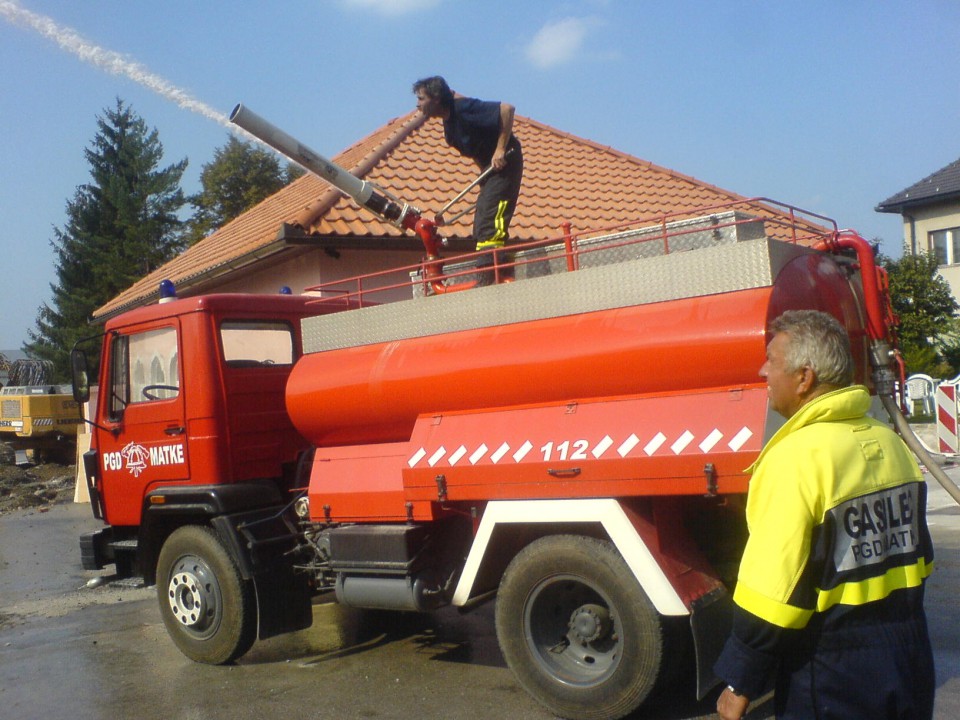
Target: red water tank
374, 392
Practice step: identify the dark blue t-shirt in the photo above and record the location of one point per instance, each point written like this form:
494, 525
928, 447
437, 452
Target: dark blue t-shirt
473, 128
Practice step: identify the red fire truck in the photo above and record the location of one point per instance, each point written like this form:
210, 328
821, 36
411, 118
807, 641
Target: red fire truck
572, 443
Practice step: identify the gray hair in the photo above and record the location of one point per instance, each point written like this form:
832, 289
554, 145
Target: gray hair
819, 342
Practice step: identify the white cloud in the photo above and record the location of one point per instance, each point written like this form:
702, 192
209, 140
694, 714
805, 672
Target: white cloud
559, 42
391, 8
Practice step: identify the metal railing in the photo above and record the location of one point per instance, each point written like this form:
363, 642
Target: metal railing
661, 234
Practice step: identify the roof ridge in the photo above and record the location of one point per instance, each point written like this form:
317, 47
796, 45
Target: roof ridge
632, 158
407, 124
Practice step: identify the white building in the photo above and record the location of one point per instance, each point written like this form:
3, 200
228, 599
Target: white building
931, 219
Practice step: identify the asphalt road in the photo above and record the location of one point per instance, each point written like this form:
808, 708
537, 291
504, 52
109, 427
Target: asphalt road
71, 651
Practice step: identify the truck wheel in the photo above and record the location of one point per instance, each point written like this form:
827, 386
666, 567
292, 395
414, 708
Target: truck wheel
209, 610
577, 629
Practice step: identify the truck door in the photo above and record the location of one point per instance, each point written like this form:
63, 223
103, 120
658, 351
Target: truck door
143, 411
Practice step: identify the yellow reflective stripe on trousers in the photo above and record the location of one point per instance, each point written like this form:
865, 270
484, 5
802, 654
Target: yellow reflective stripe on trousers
500, 231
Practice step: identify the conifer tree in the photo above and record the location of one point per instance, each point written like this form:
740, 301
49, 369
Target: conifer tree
120, 226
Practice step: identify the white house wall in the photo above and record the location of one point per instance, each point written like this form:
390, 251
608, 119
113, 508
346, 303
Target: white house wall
917, 227
314, 267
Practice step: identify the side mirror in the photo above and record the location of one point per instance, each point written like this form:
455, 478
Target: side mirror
78, 372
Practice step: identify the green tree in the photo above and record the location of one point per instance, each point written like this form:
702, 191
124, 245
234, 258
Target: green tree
923, 301
239, 176
948, 347
120, 226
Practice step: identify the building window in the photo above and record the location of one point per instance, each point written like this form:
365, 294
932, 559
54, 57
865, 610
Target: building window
946, 245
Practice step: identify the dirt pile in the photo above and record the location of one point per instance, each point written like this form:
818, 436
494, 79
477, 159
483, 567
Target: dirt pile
35, 486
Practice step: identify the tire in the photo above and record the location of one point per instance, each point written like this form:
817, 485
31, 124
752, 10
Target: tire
209, 610
577, 630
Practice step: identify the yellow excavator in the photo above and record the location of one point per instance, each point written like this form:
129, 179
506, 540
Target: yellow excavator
38, 419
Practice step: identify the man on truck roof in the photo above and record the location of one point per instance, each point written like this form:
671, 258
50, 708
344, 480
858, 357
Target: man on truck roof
830, 590
481, 130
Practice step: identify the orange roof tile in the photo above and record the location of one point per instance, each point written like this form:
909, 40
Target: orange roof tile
566, 178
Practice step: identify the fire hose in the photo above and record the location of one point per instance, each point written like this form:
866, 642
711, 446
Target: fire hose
364, 193
439, 218
918, 448
879, 322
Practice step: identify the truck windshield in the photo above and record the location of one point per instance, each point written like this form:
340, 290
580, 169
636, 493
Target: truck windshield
253, 343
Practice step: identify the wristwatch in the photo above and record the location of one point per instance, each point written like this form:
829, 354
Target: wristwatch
733, 690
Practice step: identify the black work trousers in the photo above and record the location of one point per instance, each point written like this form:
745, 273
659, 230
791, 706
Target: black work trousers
881, 671
497, 202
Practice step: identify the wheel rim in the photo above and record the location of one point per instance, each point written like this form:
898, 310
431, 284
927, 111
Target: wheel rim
194, 596
572, 630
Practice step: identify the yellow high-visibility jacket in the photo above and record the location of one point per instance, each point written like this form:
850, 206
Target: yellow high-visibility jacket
836, 513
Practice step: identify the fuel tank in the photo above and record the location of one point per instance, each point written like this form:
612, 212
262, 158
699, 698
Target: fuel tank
677, 322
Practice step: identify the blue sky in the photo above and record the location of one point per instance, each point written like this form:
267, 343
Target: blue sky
831, 105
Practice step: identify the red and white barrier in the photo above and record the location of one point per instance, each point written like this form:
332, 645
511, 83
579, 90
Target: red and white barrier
947, 416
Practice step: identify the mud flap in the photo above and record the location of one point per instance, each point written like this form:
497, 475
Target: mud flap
262, 542
283, 602
711, 619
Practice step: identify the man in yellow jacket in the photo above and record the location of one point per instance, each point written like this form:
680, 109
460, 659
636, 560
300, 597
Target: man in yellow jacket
829, 597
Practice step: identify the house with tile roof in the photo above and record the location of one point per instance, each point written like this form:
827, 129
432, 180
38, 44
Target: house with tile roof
930, 210
310, 233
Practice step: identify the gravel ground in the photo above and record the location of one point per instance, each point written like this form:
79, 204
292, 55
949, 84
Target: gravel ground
36, 486
41, 496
